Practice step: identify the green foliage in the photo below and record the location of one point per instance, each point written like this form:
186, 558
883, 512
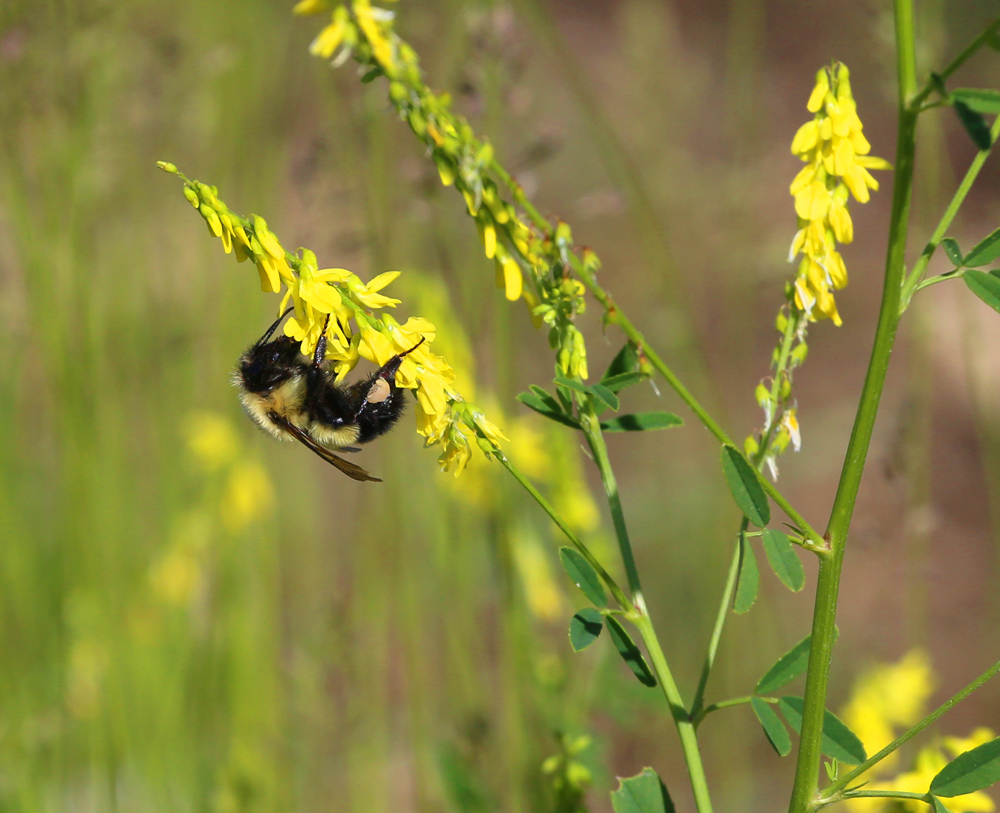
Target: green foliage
774, 729
839, 742
748, 582
783, 559
630, 652
641, 422
788, 667
974, 125
583, 576
979, 99
985, 286
744, 485
643, 793
969, 772
985, 251
584, 628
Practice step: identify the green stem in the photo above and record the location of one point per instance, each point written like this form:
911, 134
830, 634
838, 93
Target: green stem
640, 617
612, 585
945, 707
614, 315
883, 794
682, 720
828, 581
595, 439
720, 622
957, 62
725, 704
913, 281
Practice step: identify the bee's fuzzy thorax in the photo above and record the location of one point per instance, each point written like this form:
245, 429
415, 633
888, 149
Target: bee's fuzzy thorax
284, 400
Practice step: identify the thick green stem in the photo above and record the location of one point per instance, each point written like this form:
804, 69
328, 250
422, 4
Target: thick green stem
846, 779
828, 582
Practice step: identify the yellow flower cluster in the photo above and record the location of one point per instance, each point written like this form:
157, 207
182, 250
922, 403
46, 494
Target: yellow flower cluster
837, 162
340, 301
889, 699
530, 265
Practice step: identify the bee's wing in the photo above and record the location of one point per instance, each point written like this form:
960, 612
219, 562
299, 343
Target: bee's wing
351, 470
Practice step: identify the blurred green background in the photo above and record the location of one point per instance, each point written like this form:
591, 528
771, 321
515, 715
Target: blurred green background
196, 618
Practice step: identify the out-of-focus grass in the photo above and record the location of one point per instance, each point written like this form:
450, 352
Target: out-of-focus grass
397, 646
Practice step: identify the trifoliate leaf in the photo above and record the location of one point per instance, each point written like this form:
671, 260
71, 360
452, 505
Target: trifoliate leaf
641, 422
584, 628
749, 579
839, 742
744, 485
774, 729
985, 251
583, 575
644, 793
969, 772
783, 560
985, 286
629, 651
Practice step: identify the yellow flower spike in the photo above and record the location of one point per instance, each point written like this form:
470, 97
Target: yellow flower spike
268, 275
818, 95
266, 239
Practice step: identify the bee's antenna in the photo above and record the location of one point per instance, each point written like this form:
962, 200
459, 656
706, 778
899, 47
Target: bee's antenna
274, 327
422, 340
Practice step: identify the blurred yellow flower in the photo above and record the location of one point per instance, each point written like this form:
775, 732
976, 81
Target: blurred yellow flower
544, 597
211, 439
836, 155
248, 496
888, 699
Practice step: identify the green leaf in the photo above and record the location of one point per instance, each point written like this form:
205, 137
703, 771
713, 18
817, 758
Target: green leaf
617, 383
974, 124
783, 560
644, 793
938, 805
584, 628
952, 249
744, 484
629, 651
789, 666
985, 251
749, 579
839, 742
546, 397
774, 729
371, 76
626, 361
641, 422
605, 396
985, 286
570, 384
583, 575
982, 100
968, 772
532, 401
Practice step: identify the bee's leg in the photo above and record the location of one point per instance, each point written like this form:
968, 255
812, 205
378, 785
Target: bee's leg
263, 339
320, 353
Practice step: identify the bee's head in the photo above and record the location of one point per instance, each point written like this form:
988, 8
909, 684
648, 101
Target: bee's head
266, 366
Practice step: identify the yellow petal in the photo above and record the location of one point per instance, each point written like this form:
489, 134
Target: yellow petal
806, 138
512, 280
819, 91
382, 280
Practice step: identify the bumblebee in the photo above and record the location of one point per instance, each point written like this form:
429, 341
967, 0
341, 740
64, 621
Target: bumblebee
293, 397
